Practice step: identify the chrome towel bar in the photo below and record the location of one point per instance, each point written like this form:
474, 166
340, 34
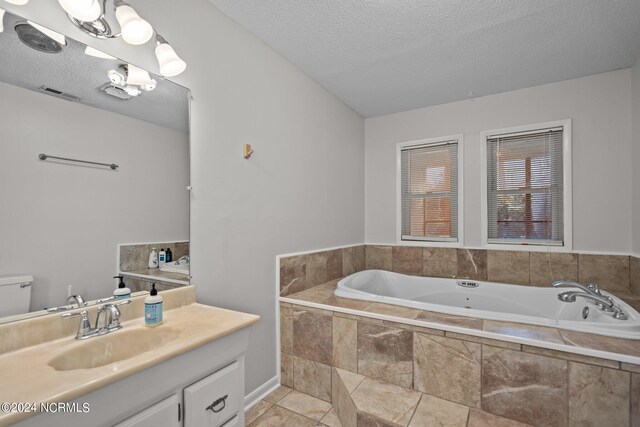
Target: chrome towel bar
43, 156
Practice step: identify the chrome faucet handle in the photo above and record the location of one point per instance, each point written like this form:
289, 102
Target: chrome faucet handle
84, 328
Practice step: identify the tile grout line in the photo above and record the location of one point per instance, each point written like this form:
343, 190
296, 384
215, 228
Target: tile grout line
415, 409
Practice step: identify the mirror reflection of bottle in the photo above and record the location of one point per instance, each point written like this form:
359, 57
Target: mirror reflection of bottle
162, 257
153, 258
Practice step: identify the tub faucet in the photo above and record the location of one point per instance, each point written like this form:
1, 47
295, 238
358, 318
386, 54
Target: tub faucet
591, 289
604, 303
570, 296
592, 293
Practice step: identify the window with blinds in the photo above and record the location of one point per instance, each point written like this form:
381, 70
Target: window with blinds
525, 191
429, 186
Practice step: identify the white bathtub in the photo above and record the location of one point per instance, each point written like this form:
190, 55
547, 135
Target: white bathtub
487, 300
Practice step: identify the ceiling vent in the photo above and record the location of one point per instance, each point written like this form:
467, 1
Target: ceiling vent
58, 93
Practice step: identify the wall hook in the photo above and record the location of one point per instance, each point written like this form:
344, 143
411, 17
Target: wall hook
247, 151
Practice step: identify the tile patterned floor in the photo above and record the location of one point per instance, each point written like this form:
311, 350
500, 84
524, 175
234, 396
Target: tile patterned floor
286, 407
289, 408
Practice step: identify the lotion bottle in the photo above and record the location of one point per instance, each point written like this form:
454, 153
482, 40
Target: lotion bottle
153, 308
153, 258
122, 291
162, 257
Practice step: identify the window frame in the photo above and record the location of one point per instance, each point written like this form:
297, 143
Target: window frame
567, 246
459, 138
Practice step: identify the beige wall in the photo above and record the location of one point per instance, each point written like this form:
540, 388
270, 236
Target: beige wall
62, 222
599, 107
635, 158
302, 189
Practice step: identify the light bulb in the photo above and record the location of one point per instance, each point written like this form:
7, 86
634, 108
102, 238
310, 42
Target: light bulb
97, 53
18, 2
82, 10
49, 33
1, 20
170, 63
137, 76
135, 30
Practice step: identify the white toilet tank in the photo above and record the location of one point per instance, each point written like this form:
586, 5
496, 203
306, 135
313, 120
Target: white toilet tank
15, 294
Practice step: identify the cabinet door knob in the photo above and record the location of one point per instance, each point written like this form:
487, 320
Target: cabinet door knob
220, 401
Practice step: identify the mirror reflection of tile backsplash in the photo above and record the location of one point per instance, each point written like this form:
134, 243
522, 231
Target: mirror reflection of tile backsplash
133, 264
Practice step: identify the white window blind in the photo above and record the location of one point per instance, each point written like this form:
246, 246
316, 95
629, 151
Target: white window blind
429, 185
525, 188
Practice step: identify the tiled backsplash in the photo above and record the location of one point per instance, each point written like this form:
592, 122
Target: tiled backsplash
301, 272
616, 273
136, 257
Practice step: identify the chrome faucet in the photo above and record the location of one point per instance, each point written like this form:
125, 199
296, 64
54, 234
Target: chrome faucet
183, 258
592, 293
77, 299
107, 320
110, 315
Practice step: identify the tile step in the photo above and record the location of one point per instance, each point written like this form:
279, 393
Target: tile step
362, 401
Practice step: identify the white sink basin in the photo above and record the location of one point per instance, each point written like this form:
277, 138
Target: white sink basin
113, 347
180, 267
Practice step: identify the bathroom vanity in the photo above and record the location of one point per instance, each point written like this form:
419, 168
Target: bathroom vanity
189, 371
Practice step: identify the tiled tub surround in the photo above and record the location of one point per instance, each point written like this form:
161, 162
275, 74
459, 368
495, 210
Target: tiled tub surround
530, 374
133, 264
614, 273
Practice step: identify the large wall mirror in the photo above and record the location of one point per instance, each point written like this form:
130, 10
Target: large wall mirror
67, 226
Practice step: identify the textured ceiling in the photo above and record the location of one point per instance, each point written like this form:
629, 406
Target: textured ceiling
384, 56
73, 72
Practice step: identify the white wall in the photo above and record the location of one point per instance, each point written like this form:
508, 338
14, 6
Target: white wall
599, 106
635, 158
62, 222
302, 189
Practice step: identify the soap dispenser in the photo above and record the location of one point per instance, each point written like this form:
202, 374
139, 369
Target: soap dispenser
153, 307
122, 291
153, 258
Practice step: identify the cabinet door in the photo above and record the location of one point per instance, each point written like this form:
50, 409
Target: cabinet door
163, 414
215, 399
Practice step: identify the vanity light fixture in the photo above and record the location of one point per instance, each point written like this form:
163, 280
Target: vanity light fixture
131, 79
90, 16
2, 20
135, 30
137, 76
169, 62
118, 76
82, 10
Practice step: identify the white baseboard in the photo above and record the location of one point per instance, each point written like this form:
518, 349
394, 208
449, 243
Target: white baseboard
261, 392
